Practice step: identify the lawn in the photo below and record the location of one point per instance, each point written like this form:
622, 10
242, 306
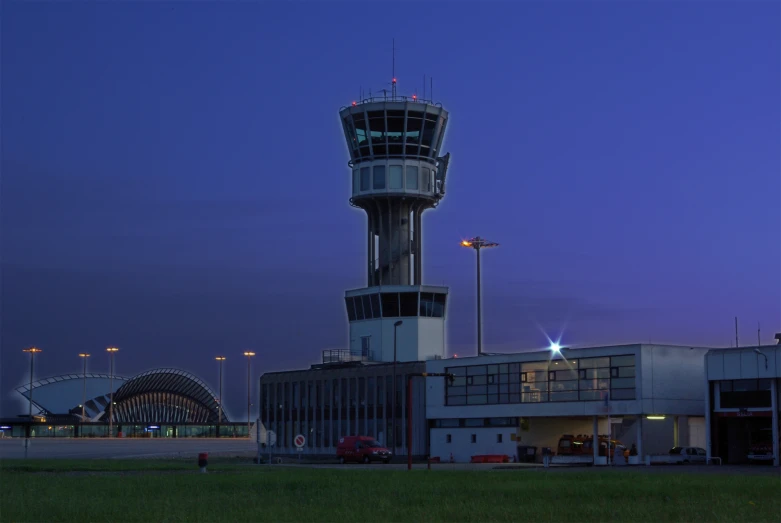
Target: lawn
136, 490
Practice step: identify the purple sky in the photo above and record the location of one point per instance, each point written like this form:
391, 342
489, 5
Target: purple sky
174, 177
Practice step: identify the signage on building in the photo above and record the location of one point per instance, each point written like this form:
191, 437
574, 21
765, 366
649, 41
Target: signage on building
745, 413
300, 441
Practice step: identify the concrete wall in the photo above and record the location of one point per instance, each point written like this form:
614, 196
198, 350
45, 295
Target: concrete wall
697, 432
736, 364
672, 380
418, 339
462, 447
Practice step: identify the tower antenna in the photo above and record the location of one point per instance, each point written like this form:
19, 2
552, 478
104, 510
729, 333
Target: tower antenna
393, 71
424, 86
737, 344
759, 343
432, 89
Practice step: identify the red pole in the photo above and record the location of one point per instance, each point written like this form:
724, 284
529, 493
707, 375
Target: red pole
409, 422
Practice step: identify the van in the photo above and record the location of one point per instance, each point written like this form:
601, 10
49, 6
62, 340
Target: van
361, 449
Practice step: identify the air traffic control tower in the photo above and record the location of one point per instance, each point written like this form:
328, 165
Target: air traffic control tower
398, 172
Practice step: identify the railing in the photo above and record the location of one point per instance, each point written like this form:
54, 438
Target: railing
346, 355
397, 98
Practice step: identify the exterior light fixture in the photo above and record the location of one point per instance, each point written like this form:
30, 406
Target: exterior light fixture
477, 243
654, 417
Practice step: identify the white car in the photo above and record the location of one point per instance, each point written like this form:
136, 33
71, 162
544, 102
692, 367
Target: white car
688, 454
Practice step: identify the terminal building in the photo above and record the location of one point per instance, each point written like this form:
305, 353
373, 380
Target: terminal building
156, 403
649, 396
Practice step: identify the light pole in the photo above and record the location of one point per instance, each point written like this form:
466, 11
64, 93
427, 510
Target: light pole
111, 351
220, 359
393, 400
84, 356
32, 351
477, 243
249, 356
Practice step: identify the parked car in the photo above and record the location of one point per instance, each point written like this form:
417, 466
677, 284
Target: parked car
689, 454
570, 445
361, 449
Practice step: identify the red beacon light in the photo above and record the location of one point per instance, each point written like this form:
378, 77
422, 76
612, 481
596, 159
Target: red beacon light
354, 104
414, 97
394, 80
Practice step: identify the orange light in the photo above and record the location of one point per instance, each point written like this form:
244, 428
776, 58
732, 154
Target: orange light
466, 243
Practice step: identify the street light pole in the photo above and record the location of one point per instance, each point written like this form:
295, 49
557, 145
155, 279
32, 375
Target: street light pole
32, 351
249, 355
84, 356
220, 359
111, 351
393, 400
477, 243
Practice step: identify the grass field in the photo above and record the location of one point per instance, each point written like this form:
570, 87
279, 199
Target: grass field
136, 490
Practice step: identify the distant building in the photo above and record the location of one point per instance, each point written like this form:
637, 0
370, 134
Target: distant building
157, 403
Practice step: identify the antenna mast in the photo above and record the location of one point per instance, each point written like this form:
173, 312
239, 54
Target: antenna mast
393, 71
736, 333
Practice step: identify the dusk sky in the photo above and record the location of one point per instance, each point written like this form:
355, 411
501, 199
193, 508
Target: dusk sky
175, 179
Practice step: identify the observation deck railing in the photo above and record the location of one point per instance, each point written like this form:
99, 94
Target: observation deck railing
346, 355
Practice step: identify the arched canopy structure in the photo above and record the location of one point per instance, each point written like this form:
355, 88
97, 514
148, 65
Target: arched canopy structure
166, 396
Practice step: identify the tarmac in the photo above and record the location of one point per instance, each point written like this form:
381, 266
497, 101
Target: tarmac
165, 448
125, 448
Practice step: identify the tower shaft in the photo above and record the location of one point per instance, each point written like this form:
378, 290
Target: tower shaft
394, 253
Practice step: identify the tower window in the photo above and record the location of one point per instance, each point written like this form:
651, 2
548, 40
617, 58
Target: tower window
409, 303
375, 301
367, 308
474, 438
390, 304
379, 176
350, 309
412, 178
365, 178
396, 177
448, 438
425, 180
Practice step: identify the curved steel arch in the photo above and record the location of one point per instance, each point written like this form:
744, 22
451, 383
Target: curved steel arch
74, 397
22, 389
166, 396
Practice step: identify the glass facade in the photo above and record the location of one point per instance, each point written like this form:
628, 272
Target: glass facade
395, 304
348, 404
416, 130
584, 379
747, 394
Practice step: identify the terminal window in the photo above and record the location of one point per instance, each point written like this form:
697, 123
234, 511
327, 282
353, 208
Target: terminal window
586, 379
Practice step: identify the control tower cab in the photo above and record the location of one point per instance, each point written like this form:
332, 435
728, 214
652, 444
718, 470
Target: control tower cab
398, 172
